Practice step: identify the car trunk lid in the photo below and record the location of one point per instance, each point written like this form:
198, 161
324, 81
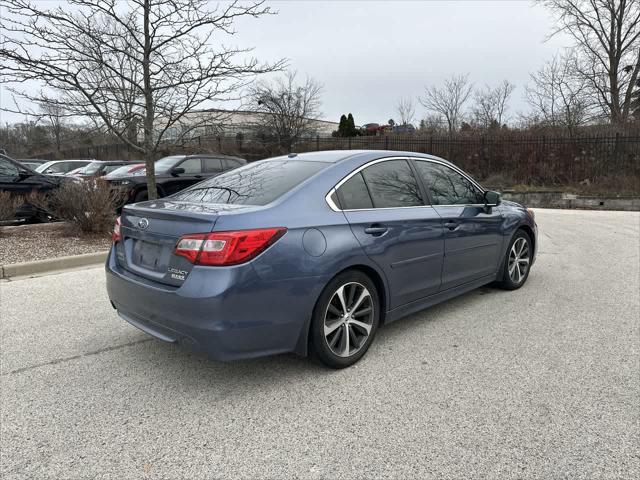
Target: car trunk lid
150, 232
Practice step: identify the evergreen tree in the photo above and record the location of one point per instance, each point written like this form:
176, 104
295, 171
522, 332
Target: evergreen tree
351, 125
343, 126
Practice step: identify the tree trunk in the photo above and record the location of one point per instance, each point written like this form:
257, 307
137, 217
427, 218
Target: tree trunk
149, 153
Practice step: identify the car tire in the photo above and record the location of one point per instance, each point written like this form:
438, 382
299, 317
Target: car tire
141, 196
340, 334
517, 262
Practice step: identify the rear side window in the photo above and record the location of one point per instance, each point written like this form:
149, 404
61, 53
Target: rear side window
353, 194
229, 163
258, 183
212, 165
448, 187
392, 184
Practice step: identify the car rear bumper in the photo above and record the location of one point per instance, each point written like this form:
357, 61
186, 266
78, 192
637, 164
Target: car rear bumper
227, 315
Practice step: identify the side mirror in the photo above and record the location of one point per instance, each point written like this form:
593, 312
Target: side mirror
492, 199
177, 171
24, 174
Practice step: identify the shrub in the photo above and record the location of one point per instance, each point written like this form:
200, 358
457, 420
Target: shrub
90, 206
9, 206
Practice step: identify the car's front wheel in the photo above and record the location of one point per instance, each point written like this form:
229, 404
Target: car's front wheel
517, 262
345, 319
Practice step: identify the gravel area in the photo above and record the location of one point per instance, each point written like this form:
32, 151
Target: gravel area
40, 242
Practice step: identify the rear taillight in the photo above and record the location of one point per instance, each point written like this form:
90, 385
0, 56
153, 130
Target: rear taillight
226, 248
115, 236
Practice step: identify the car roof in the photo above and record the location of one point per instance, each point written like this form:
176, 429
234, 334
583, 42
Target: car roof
72, 160
112, 162
335, 156
213, 155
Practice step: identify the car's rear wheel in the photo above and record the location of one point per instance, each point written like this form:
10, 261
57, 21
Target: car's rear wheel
141, 196
517, 262
345, 319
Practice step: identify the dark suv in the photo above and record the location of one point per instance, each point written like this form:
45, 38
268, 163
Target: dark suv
173, 174
20, 180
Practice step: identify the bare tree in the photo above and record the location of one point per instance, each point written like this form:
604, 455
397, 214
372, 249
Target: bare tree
557, 96
448, 100
491, 104
406, 109
54, 114
432, 124
287, 108
144, 64
607, 37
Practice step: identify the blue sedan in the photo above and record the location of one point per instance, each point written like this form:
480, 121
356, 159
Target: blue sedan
312, 253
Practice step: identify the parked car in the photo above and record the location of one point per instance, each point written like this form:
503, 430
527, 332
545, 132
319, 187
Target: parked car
124, 171
32, 163
61, 167
312, 253
100, 168
20, 180
173, 174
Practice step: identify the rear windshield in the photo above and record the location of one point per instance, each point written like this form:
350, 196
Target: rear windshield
90, 169
254, 184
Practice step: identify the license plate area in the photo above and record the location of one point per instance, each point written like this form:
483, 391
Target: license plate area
149, 255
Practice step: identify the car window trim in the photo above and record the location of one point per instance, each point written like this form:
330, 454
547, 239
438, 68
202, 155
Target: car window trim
410, 160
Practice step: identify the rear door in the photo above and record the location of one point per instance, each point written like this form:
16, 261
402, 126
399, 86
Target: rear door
211, 167
389, 216
473, 237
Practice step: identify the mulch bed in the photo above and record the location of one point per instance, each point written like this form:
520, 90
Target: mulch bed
40, 242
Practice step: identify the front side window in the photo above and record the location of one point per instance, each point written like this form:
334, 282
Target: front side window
392, 184
191, 166
448, 187
166, 163
7, 169
258, 183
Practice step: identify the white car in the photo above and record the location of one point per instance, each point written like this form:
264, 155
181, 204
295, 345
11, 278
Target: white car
61, 167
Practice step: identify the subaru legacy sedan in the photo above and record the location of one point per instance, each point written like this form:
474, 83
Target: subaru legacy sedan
312, 253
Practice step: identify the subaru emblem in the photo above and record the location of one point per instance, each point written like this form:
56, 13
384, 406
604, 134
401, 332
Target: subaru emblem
143, 224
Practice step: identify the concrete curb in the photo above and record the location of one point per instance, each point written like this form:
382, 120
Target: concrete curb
52, 264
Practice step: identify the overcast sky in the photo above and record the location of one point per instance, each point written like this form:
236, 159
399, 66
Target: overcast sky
369, 54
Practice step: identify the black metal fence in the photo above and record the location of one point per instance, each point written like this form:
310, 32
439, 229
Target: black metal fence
513, 158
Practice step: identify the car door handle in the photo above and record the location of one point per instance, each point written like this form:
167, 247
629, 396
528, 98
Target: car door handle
376, 230
452, 225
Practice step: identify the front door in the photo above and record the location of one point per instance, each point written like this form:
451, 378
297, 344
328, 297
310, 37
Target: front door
473, 239
385, 208
192, 167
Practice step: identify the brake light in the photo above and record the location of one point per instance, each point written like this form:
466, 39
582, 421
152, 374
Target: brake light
226, 248
116, 236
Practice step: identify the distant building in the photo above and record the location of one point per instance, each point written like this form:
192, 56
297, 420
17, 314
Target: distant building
233, 122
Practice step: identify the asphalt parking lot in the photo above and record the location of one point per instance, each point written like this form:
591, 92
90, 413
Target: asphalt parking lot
543, 382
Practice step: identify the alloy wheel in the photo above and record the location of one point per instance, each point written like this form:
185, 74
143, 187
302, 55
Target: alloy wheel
519, 259
348, 319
